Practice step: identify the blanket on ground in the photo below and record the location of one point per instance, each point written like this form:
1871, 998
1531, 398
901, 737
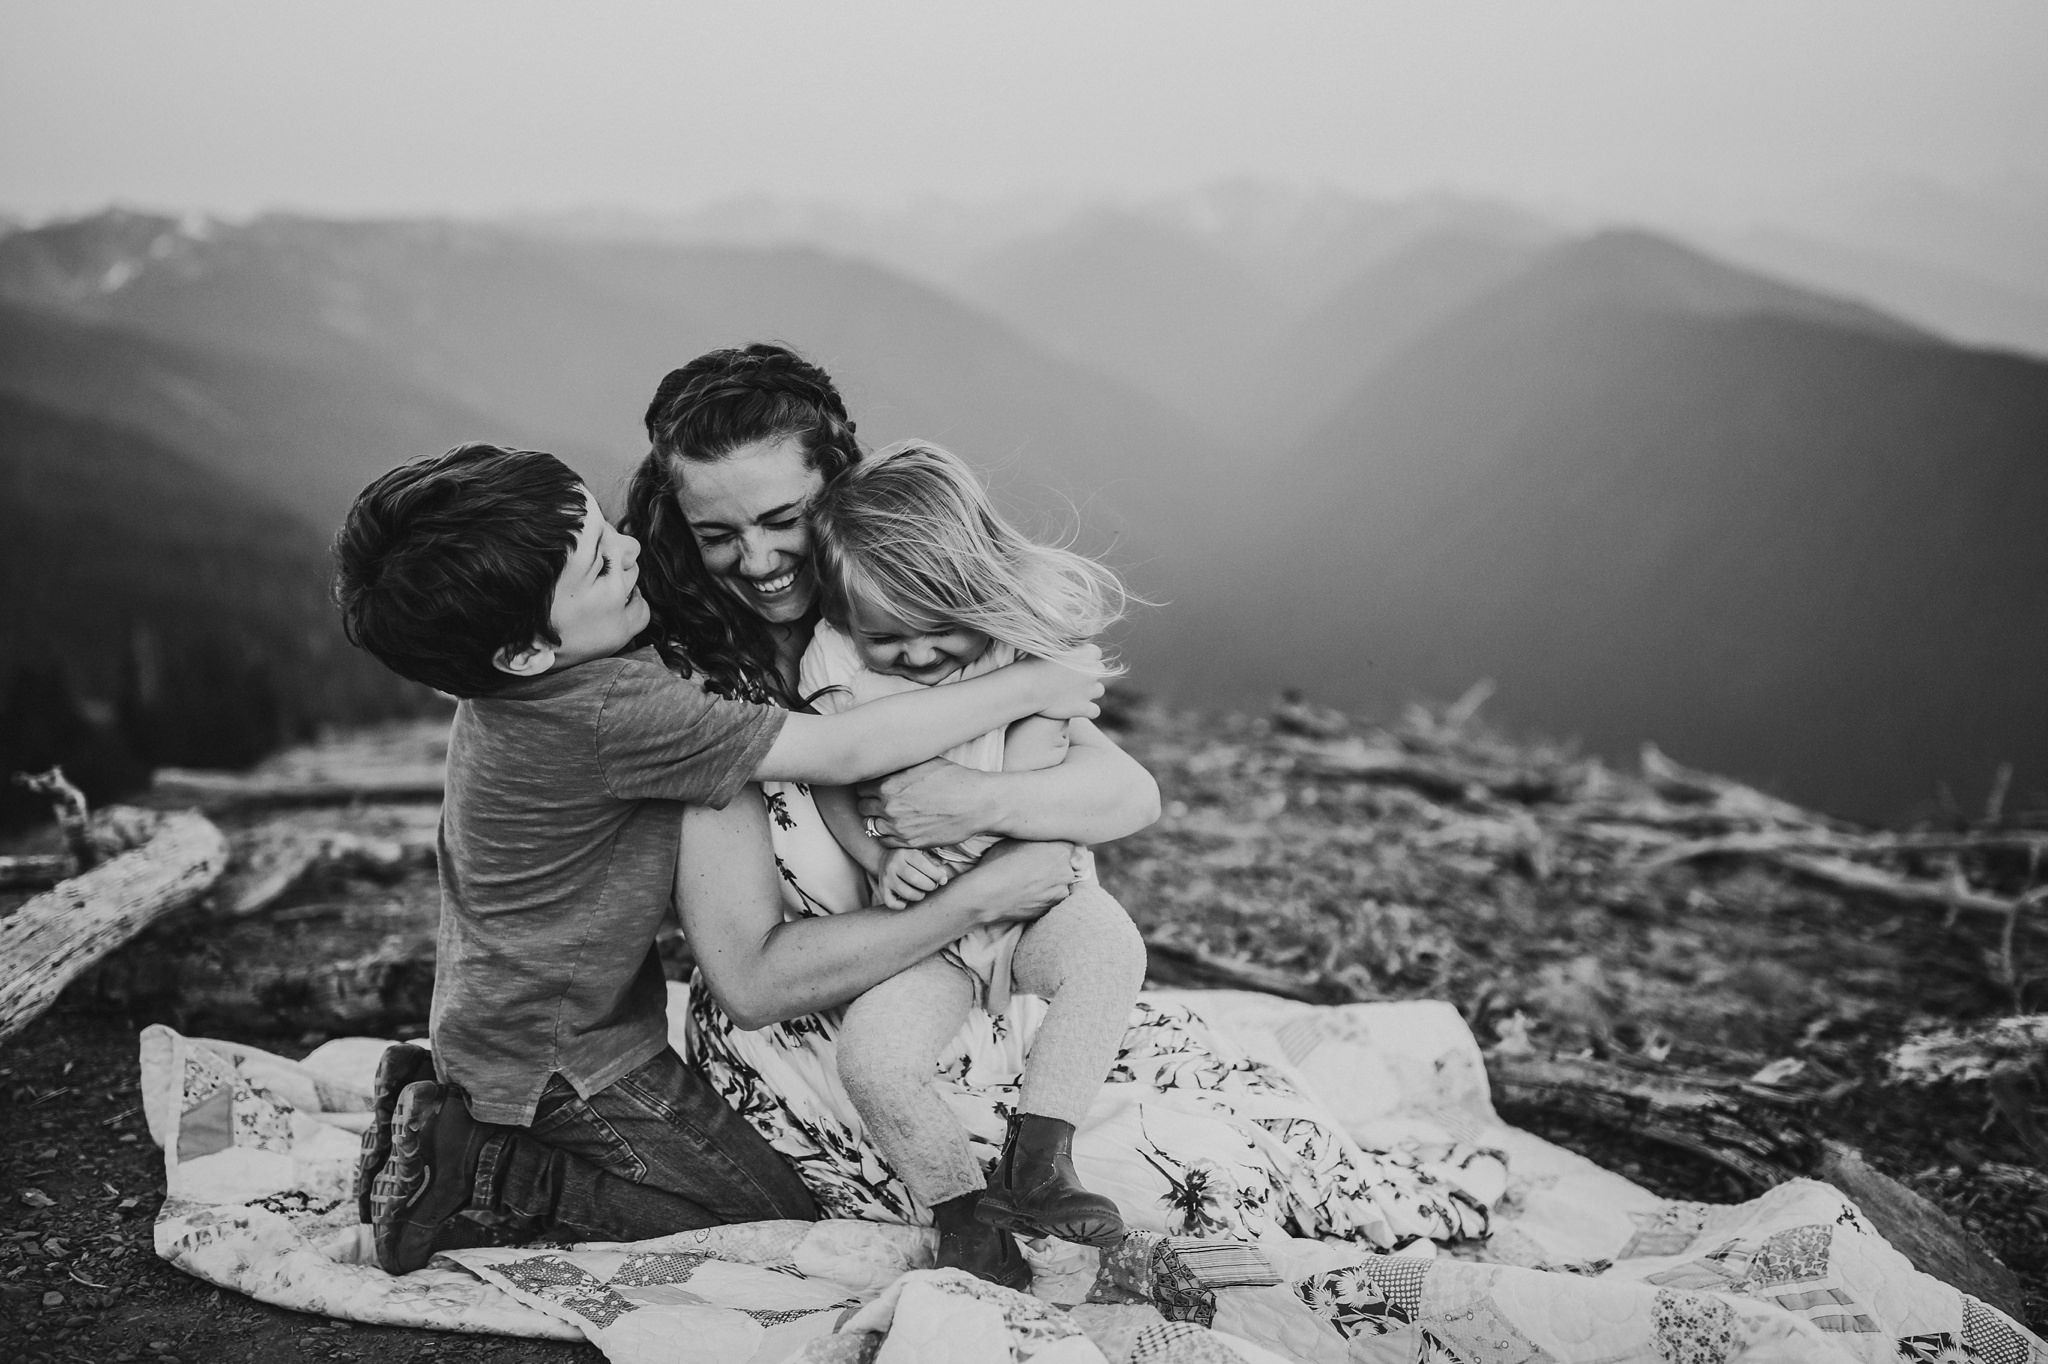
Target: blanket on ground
1581, 1265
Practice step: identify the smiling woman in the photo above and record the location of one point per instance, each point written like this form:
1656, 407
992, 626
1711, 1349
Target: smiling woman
746, 513
742, 439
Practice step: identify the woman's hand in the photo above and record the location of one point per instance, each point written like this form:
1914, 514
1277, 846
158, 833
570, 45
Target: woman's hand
1098, 794
933, 803
1017, 882
1070, 686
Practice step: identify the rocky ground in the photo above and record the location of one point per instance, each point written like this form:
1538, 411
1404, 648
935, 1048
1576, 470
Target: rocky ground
1561, 905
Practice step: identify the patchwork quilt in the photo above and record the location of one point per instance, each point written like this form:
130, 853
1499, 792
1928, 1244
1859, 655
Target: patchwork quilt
1579, 1265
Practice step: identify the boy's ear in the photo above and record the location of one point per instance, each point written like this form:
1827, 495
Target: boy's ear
530, 661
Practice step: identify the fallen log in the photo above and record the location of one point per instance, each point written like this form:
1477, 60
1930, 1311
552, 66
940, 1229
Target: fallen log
67, 802
53, 938
272, 862
1744, 1126
1841, 874
2001, 1046
224, 790
36, 871
1440, 778
1935, 1242
1867, 845
1175, 965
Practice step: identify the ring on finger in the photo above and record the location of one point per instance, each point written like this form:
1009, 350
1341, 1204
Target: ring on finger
868, 823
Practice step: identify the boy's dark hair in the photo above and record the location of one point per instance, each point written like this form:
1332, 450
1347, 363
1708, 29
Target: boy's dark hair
446, 560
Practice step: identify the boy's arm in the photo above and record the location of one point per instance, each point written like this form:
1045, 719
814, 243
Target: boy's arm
1097, 794
763, 968
896, 731
836, 807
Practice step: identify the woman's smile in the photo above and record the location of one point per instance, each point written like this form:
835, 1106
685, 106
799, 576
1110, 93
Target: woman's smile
747, 514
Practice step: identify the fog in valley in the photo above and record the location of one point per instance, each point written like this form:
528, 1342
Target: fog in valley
1684, 374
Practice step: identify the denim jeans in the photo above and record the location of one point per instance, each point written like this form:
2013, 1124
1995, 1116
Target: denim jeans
655, 1152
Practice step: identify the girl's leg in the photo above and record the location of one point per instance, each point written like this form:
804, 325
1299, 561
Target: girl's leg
1086, 957
889, 1048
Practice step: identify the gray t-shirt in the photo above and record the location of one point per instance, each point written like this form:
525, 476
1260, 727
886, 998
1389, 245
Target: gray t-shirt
558, 850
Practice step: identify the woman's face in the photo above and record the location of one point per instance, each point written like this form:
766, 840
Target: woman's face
747, 512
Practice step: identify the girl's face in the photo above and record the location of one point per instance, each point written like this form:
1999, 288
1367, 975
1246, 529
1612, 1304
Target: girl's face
891, 645
747, 514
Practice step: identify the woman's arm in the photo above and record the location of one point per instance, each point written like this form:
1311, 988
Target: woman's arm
1098, 794
897, 731
836, 808
764, 969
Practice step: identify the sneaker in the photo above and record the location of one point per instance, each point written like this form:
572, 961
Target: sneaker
427, 1179
398, 1067
1034, 1191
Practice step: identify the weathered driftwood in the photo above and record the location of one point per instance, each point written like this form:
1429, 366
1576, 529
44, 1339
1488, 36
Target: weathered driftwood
1440, 778
1834, 841
1172, 964
57, 935
273, 860
222, 790
1973, 1054
338, 967
36, 871
67, 802
1935, 1242
1676, 782
1843, 874
1750, 1128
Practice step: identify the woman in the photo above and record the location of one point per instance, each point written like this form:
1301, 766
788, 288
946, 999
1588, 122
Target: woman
1204, 1139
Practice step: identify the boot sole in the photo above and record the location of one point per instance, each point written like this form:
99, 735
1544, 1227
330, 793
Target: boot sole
1103, 1229
405, 1174
398, 1067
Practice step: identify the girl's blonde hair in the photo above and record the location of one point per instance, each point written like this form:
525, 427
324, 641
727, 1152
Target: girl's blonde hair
910, 528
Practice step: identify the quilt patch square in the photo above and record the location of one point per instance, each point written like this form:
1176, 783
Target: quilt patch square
1797, 1255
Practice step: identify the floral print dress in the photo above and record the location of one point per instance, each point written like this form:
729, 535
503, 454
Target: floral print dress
1189, 1134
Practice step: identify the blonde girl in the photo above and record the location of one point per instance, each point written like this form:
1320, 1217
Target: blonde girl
923, 583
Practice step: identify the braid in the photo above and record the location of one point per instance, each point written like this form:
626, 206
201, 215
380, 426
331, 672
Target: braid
702, 412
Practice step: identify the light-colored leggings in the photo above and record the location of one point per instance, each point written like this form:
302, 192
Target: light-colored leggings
1084, 956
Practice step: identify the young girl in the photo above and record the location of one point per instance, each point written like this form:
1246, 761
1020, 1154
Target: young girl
923, 583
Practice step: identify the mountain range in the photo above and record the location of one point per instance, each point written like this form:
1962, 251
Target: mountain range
1368, 454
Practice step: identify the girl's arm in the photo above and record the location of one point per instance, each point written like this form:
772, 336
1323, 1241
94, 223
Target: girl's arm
1097, 795
764, 969
897, 731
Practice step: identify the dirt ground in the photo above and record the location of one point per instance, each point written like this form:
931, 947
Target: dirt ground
1369, 891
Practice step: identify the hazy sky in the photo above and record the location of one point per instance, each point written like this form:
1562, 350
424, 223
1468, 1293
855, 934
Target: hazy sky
1730, 107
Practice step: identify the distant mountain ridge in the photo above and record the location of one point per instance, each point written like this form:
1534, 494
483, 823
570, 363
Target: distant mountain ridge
1656, 495
1657, 498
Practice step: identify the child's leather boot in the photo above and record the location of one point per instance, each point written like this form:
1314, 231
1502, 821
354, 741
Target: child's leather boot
982, 1250
1034, 1191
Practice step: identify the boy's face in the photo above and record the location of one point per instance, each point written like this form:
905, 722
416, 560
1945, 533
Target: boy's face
597, 607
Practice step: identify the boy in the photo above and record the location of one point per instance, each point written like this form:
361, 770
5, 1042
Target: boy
555, 1104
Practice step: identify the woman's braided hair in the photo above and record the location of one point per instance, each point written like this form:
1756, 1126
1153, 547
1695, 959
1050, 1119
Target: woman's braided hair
701, 413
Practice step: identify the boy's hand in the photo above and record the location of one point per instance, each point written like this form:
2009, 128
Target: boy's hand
1071, 688
1018, 881
910, 874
